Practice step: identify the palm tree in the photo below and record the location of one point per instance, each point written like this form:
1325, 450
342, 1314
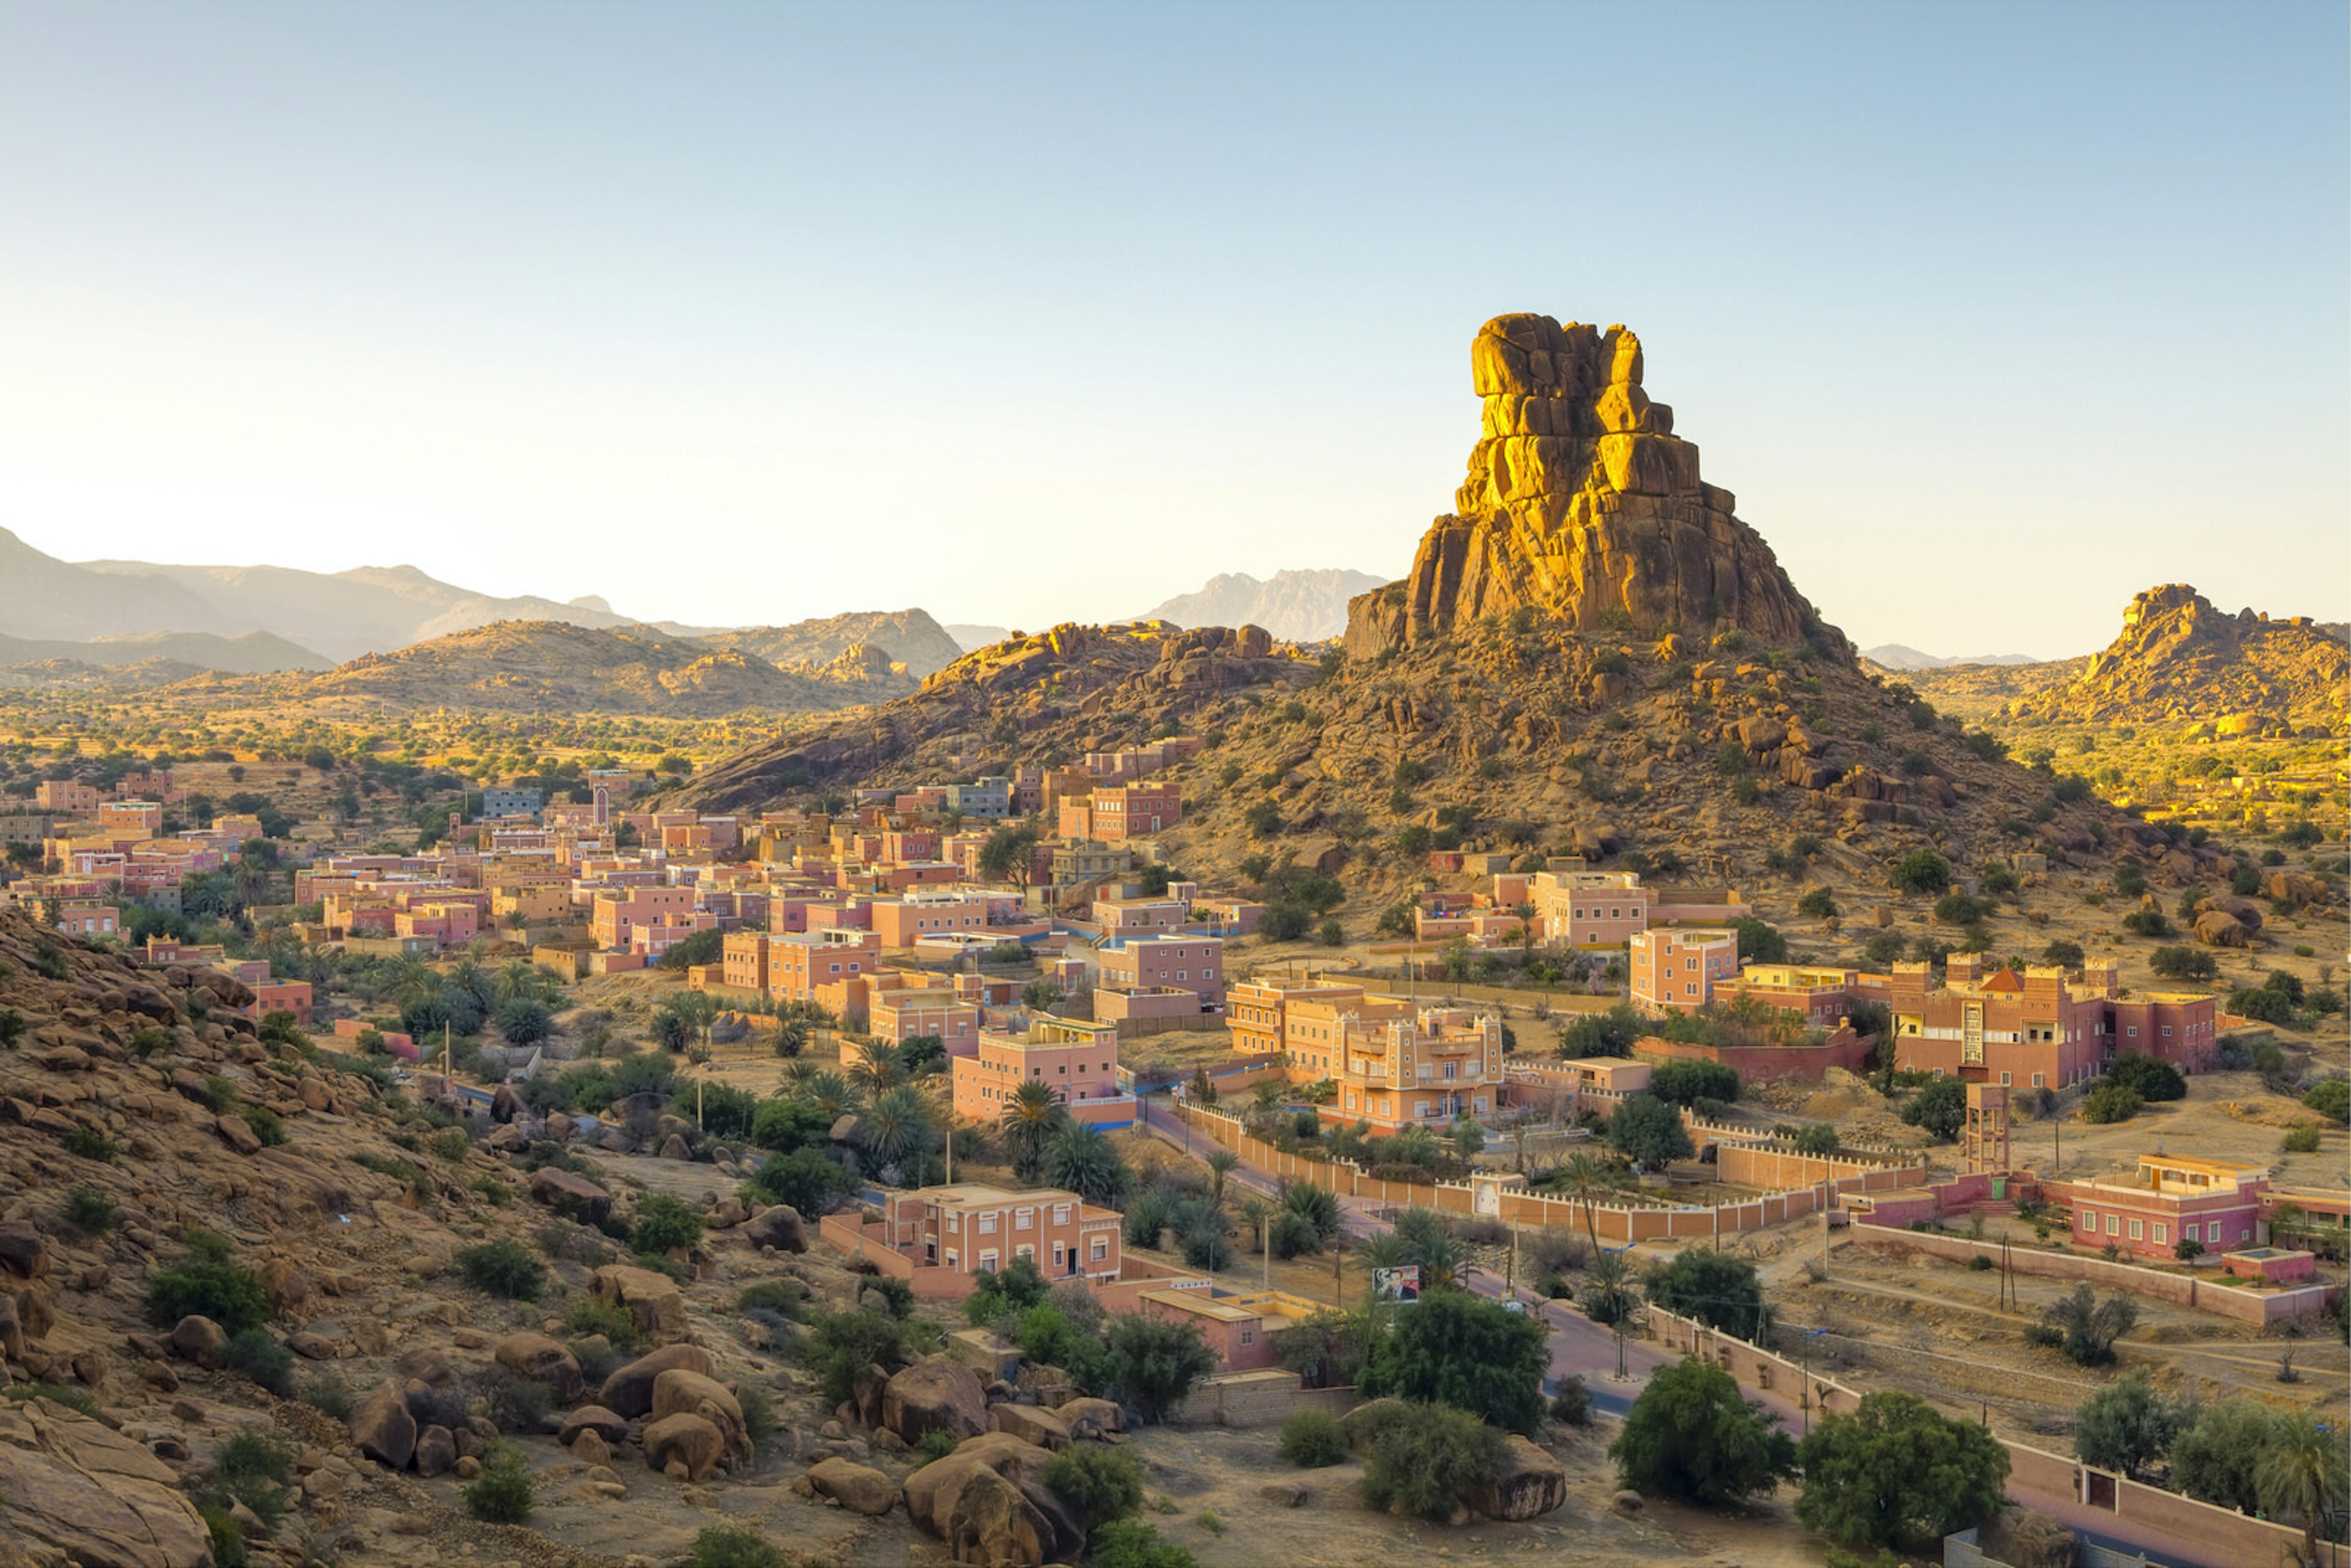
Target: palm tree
1220, 1166
878, 1067
791, 1037
1031, 1119
1607, 1298
896, 1127
830, 1093
797, 1075
2304, 1470
1081, 1160
1583, 1178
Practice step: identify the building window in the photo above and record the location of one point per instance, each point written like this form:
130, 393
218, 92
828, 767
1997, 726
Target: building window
2190, 1233
2089, 1221
2138, 1230
2004, 1078
1100, 1248
987, 1223
1024, 1219
2162, 1232
1248, 1336
987, 1262
1060, 1214
2036, 1080
2114, 1225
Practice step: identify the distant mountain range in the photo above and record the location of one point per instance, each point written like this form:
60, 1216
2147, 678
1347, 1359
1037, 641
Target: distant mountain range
255, 654
1295, 606
1898, 656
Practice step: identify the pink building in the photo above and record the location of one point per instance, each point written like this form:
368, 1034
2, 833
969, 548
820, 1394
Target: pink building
79, 919
2169, 1200
68, 796
1078, 1060
1122, 918
144, 817
901, 923
1591, 908
952, 1235
898, 1016
617, 911
1126, 811
1195, 964
1676, 970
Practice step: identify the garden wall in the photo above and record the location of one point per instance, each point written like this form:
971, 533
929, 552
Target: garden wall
1620, 1224
2195, 1534
2259, 1308
1259, 1399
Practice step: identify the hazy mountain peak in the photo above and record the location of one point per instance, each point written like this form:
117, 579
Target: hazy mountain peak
1298, 606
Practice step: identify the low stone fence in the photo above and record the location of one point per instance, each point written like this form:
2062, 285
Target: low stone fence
1259, 1399
1619, 1223
2259, 1308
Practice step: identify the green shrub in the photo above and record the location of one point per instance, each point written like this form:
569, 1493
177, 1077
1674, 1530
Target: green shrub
1429, 1461
329, 1394
227, 1538
2301, 1139
2331, 1100
785, 1297
258, 1353
735, 1546
502, 1495
586, 1315
2109, 1101
665, 1223
90, 1210
1311, 1438
937, 1443
57, 1394
267, 1124
225, 1293
503, 1267
220, 1095
1125, 1544
1099, 1484
90, 1144
516, 1404
1572, 1406
2148, 1078
839, 1345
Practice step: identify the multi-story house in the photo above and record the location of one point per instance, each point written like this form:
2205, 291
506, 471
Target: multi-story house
1195, 964
1430, 1065
1258, 1012
1077, 1060
1591, 908
616, 912
2169, 1200
499, 801
2042, 1029
799, 962
1675, 968
990, 798
972, 1229
1123, 811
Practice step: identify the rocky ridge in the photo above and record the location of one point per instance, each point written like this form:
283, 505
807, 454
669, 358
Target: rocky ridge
1582, 503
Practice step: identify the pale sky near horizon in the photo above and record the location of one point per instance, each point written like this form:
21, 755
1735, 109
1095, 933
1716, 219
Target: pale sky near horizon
1990, 315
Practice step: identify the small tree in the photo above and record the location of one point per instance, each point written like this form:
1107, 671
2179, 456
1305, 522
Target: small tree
1429, 1461
1453, 1348
2108, 1101
2088, 1327
1940, 1107
1896, 1472
1099, 1484
1648, 1131
2303, 1471
2147, 1077
1921, 871
1153, 1363
1687, 1082
1816, 1138
2125, 1426
1715, 1288
1691, 1436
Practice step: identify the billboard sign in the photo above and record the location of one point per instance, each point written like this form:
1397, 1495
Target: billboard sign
1401, 1283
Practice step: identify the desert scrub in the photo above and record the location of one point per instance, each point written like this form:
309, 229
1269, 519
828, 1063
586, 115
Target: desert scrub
1312, 1438
258, 1355
225, 1293
735, 1546
90, 1210
586, 1315
90, 1144
503, 1267
664, 1224
1099, 1484
502, 1495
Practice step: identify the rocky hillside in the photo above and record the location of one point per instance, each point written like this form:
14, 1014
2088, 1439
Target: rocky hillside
2180, 660
1505, 696
1582, 503
1296, 606
909, 637
535, 667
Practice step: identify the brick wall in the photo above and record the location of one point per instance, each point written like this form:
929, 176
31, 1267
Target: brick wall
1259, 1399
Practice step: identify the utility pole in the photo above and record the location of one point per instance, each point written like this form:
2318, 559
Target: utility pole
1265, 1249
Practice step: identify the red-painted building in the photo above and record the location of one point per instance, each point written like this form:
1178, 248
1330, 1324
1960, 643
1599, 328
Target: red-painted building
2169, 1200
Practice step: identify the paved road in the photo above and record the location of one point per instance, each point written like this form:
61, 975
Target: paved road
1579, 1347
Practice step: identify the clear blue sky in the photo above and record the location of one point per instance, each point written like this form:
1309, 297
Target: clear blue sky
1990, 315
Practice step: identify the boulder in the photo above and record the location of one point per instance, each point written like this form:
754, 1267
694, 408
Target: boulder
857, 1488
606, 1424
79, 1491
1529, 1484
572, 1196
687, 1441
679, 1392
238, 1135
437, 1451
589, 1448
780, 1227
382, 1427
12, 1330
1091, 1417
1627, 1502
199, 1339
2218, 928
629, 1391
505, 1105
934, 1394
287, 1286
674, 1148
540, 1359
2243, 911
654, 1300
23, 1252
1032, 1424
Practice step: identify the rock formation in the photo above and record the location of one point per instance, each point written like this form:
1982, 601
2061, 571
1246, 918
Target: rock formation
1582, 502
2177, 657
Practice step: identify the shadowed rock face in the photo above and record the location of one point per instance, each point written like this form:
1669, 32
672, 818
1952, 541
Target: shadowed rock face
1582, 502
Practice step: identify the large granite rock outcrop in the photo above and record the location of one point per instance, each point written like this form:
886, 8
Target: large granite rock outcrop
1580, 502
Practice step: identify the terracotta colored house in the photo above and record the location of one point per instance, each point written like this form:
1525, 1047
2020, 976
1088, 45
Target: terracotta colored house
1195, 964
617, 911
1591, 908
900, 1015
2169, 1200
1123, 811
1078, 1061
1820, 996
945, 1238
1675, 969
1259, 1012
2041, 1028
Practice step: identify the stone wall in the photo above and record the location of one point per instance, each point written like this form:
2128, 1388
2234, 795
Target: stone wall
1259, 1399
